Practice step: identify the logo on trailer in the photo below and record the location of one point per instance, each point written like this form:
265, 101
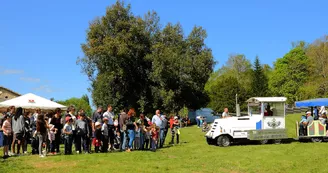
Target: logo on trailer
274, 124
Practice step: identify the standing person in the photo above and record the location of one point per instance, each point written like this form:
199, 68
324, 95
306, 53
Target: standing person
68, 132
7, 133
137, 143
166, 125
110, 116
122, 123
97, 139
11, 112
52, 137
198, 121
82, 133
89, 135
18, 125
36, 113
143, 124
71, 113
158, 120
27, 116
175, 125
96, 117
41, 131
154, 137
131, 126
56, 121
225, 114
104, 132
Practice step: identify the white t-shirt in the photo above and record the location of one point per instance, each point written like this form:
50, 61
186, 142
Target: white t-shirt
225, 114
110, 116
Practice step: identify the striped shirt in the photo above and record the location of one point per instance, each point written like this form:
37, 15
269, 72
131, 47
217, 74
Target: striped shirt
6, 127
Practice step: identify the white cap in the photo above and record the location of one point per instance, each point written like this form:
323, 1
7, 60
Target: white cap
308, 112
175, 117
97, 124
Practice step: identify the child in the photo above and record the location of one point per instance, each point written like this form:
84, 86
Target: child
303, 119
6, 127
176, 126
117, 140
154, 137
147, 137
51, 135
104, 132
68, 133
97, 140
137, 138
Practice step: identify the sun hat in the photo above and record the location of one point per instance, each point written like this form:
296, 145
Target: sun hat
67, 119
97, 124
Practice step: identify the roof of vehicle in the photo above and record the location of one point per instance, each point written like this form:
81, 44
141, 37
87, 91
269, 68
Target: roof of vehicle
266, 99
312, 102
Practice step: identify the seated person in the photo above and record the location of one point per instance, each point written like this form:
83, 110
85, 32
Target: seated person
323, 118
268, 111
303, 125
303, 119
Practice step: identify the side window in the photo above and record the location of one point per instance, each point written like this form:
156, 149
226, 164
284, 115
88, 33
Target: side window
275, 109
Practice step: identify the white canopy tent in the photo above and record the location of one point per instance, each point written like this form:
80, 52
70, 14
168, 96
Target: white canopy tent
32, 101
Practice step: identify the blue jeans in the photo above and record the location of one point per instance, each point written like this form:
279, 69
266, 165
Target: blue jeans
131, 138
123, 140
153, 145
1, 139
198, 122
161, 138
68, 144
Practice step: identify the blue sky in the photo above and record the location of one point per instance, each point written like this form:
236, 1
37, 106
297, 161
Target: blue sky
40, 40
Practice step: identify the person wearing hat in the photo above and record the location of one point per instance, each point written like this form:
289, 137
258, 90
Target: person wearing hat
68, 133
174, 125
104, 132
97, 140
304, 124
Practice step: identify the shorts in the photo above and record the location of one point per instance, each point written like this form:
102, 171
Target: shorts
19, 136
6, 140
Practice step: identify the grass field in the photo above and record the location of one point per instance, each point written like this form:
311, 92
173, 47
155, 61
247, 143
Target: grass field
193, 155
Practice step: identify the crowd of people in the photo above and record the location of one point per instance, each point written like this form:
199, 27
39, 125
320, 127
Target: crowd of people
103, 131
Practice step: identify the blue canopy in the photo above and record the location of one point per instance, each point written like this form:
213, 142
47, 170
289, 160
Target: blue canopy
312, 102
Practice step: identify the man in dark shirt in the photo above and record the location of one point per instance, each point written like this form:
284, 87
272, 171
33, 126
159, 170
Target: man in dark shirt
97, 117
56, 121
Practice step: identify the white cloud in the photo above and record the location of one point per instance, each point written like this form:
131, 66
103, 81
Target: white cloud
10, 71
44, 88
30, 79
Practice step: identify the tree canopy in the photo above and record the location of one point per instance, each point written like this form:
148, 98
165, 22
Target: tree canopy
132, 61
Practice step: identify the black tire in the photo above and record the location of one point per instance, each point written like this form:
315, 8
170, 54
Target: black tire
223, 141
316, 140
277, 141
263, 142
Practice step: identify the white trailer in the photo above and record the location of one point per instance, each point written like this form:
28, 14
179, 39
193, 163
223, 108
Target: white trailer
265, 122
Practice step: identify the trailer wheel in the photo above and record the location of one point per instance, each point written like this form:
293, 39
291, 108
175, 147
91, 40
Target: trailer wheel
277, 141
265, 141
223, 141
316, 139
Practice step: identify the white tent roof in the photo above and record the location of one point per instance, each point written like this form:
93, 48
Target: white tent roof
266, 99
31, 101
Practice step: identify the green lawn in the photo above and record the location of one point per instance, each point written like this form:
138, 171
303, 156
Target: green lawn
193, 155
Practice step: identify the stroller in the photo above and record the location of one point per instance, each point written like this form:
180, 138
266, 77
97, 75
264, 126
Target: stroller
206, 127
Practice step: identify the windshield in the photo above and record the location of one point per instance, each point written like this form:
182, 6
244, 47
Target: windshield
274, 109
254, 109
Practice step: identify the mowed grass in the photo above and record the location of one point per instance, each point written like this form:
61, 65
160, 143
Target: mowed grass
192, 156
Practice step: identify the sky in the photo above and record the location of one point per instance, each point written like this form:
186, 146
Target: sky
41, 40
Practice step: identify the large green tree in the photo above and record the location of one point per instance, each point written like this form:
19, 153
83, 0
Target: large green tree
259, 80
78, 103
289, 74
133, 62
